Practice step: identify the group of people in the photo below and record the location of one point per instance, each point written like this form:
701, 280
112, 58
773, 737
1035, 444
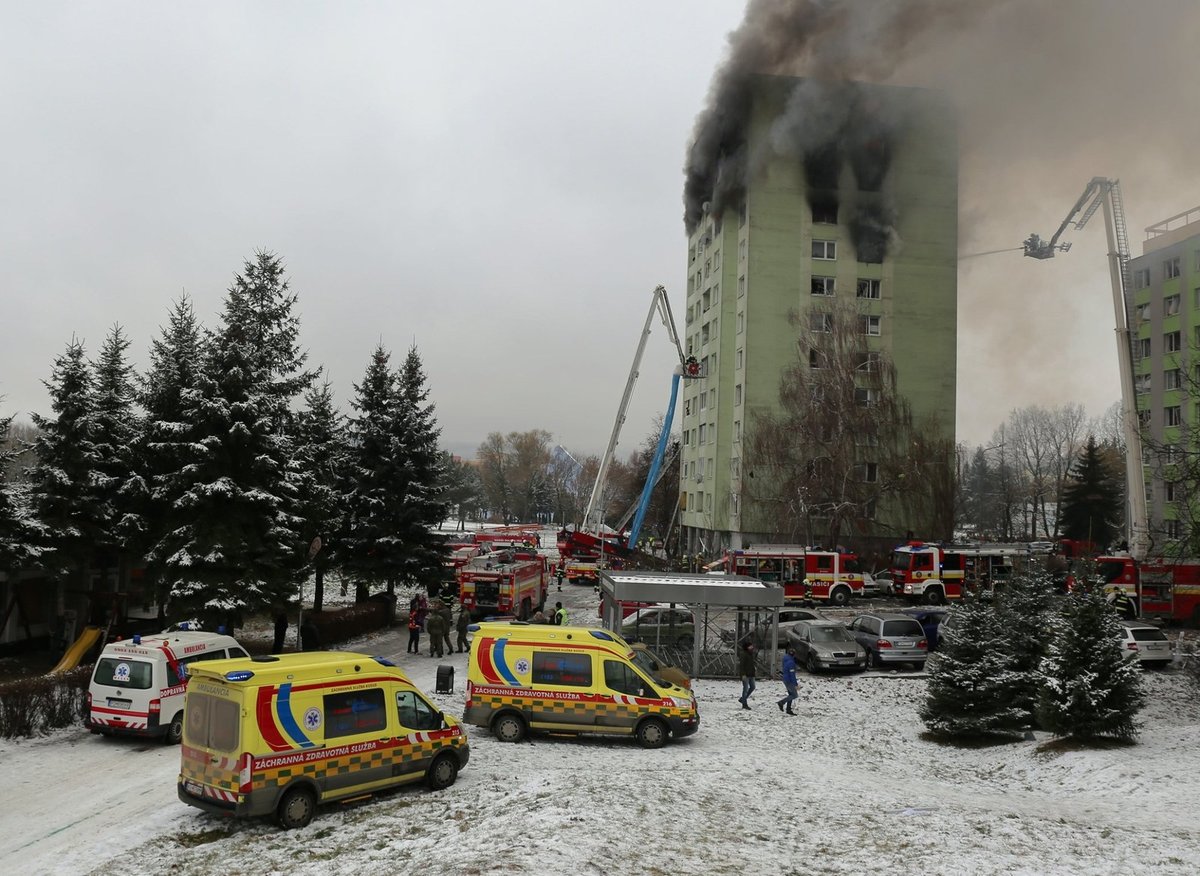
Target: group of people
747, 668
436, 618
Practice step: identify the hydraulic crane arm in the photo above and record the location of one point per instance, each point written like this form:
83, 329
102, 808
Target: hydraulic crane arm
1106, 193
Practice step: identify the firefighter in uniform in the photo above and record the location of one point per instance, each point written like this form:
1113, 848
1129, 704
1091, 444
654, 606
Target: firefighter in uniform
1123, 605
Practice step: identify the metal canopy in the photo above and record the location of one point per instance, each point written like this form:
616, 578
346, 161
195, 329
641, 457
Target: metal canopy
726, 590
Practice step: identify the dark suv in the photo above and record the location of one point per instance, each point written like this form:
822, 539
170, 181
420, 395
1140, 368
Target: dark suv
890, 638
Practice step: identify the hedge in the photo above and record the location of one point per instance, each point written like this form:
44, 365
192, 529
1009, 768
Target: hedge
36, 705
341, 624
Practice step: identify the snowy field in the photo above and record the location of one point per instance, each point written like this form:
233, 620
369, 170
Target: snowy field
847, 787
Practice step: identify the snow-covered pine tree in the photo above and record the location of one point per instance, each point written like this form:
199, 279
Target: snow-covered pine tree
321, 447
176, 362
424, 506
970, 678
19, 535
122, 486
233, 543
1090, 688
1024, 607
63, 480
372, 482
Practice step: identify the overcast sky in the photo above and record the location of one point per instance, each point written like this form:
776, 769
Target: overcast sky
501, 184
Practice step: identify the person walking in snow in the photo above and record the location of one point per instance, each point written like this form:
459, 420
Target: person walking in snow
464, 620
746, 657
435, 626
560, 574
789, 682
414, 632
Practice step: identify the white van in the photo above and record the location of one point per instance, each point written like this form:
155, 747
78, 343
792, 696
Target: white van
138, 685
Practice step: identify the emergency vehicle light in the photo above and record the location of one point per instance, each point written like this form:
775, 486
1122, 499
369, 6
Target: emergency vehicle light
137, 639
601, 635
383, 661
239, 675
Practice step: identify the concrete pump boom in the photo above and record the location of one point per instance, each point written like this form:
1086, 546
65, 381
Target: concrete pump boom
1106, 193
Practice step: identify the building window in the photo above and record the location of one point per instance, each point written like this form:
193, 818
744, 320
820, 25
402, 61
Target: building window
1141, 383
708, 503
1141, 348
1141, 278
821, 322
815, 359
717, 260
1171, 268
741, 250
737, 430
868, 289
824, 249
1172, 343
1170, 491
737, 394
706, 299
1173, 528
869, 325
708, 469
869, 362
703, 432
1170, 454
868, 472
1172, 379
687, 411
738, 360
1143, 312
741, 285
1171, 305
703, 401
707, 266
741, 323
1144, 419
866, 398
1173, 416
822, 285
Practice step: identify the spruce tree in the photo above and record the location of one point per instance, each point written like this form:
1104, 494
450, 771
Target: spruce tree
233, 542
64, 478
19, 535
320, 448
970, 678
1091, 498
1090, 688
122, 486
369, 547
1024, 609
424, 507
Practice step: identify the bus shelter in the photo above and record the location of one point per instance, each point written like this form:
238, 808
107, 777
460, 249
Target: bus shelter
695, 621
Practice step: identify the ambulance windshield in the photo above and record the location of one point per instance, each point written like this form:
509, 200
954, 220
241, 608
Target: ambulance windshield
646, 662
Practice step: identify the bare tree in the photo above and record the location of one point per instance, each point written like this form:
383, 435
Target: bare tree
819, 466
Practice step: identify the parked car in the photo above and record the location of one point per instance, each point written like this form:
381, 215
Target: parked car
883, 582
823, 644
660, 624
645, 659
1146, 643
930, 617
760, 634
890, 638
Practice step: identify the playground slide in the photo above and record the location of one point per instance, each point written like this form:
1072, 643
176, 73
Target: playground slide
75, 653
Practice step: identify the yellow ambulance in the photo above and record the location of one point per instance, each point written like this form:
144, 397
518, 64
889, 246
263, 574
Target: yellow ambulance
281, 735
524, 677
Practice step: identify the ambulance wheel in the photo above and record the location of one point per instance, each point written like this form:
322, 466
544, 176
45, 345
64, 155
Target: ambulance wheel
651, 733
840, 596
509, 727
174, 730
296, 809
443, 772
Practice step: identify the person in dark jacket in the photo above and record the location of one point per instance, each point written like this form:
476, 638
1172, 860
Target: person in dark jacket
464, 620
310, 638
746, 658
435, 625
414, 633
281, 626
447, 623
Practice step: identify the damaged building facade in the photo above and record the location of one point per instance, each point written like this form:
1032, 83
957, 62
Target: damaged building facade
807, 195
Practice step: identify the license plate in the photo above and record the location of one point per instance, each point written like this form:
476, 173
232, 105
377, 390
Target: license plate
905, 644
845, 661
194, 788
119, 704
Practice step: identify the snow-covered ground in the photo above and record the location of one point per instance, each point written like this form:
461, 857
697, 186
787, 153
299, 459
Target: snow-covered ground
847, 787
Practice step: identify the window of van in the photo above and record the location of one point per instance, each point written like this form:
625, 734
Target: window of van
415, 713
177, 672
353, 712
212, 722
119, 672
621, 678
554, 668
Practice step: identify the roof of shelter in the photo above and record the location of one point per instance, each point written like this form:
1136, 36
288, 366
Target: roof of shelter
691, 589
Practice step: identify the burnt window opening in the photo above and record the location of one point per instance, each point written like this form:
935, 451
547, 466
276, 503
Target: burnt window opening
822, 167
870, 160
824, 208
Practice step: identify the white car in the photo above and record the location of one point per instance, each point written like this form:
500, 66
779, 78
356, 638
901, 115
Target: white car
1146, 643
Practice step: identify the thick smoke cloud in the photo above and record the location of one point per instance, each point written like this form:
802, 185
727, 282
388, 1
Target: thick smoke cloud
833, 44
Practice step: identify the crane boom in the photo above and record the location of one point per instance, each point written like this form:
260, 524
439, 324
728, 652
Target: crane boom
1106, 193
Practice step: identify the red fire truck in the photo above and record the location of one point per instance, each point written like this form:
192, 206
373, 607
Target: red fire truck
1167, 589
935, 573
503, 582
804, 572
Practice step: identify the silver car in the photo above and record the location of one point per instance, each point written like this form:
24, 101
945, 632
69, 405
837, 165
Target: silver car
825, 645
1145, 643
760, 633
890, 639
